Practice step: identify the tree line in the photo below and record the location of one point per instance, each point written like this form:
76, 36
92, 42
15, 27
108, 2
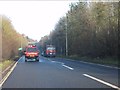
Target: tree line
11, 40
92, 30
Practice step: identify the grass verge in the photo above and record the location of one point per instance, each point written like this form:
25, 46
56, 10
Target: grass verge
5, 64
110, 61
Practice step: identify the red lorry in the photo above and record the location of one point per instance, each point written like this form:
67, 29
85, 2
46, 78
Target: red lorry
31, 53
50, 51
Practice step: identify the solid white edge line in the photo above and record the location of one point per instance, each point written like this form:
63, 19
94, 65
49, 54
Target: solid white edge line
8, 74
93, 63
100, 65
101, 81
20, 59
68, 67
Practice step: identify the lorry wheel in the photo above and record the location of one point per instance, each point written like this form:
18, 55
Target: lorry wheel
25, 60
37, 59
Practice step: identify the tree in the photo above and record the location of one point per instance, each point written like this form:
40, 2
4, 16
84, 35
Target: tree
92, 30
11, 40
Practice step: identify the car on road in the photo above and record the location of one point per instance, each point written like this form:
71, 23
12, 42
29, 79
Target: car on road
31, 53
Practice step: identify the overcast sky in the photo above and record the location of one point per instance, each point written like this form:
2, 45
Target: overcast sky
34, 18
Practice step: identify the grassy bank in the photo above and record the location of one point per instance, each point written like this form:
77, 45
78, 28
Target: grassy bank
105, 61
5, 64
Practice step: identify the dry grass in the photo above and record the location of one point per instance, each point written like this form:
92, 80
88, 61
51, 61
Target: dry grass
5, 64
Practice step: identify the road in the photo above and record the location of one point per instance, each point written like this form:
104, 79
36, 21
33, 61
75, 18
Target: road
60, 73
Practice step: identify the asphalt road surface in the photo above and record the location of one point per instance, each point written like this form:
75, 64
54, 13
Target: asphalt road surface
61, 73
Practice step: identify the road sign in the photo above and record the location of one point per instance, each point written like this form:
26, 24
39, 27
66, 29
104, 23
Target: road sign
19, 49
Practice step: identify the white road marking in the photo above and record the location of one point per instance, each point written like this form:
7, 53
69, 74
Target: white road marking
63, 65
57, 62
52, 61
94, 64
21, 58
7, 68
101, 81
8, 74
100, 65
68, 67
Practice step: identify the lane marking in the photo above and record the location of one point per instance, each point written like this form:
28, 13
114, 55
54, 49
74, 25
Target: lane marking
100, 65
20, 59
7, 75
52, 61
57, 62
101, 81
7, 68
68, 67
92, 63
63, 65
3, 80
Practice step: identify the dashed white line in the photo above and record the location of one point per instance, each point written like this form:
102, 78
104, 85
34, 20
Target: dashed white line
64, 65
68, 67
57, 62
101, 81
52, 61
94, 64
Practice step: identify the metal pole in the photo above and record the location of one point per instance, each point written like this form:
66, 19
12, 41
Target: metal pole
66, 36
1, 40
118, 53
21, 41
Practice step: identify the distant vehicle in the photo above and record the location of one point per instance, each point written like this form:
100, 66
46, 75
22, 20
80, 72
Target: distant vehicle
50, 51
43, 53
31, 53
32, 43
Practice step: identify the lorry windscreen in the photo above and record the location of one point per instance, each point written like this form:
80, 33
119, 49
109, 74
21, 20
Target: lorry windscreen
50, 48
31, 49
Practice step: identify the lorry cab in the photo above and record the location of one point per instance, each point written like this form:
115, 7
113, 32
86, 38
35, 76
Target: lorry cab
31, 53
51, 51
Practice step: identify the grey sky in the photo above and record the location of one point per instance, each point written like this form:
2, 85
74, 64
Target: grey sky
34, 18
